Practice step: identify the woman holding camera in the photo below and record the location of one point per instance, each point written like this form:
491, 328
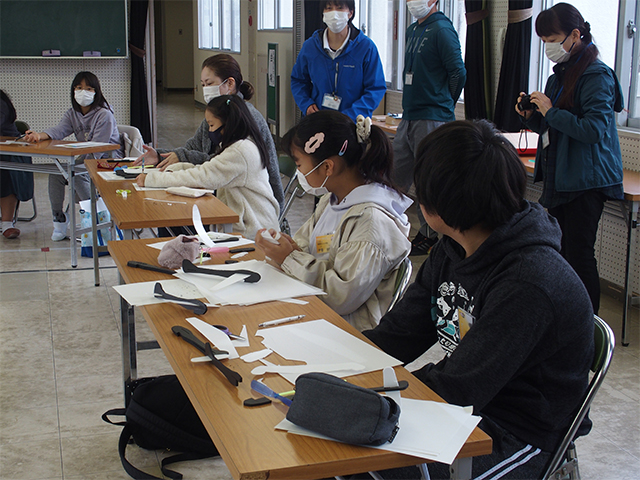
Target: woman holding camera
578, 157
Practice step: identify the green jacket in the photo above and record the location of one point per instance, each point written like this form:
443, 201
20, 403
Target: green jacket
588, 150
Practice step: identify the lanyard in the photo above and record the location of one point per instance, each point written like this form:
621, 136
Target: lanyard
415, 52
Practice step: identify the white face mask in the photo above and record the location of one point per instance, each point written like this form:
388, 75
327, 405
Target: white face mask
317, 191
556, 52
336, 20
212, 91
419, 8
84, 97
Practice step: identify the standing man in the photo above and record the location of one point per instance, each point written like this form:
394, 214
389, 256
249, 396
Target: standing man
434, 76
338, 68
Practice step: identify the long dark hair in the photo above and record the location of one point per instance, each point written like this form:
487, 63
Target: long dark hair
11, 115
562, 19
92, 81
238, 123
225, 66
373, 159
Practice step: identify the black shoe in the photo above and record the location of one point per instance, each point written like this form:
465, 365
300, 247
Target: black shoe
421, 245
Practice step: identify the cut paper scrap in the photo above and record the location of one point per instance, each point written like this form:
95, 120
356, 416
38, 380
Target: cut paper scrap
273, 285
143, 189
197, 223
430, 430
227, 282
390, 380
314, 342
300, 369
255, 356
215, 336
142, 293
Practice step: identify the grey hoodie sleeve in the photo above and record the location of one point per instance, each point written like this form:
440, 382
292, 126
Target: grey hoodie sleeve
64, 127
196, 149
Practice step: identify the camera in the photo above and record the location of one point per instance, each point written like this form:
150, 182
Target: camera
525, 104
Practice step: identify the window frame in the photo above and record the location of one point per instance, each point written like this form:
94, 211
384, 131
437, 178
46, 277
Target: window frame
277, 17
220, 31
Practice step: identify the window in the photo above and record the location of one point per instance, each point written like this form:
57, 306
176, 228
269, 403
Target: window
275, 14
219, 25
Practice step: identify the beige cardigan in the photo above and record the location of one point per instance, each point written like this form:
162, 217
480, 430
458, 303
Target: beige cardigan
241, 181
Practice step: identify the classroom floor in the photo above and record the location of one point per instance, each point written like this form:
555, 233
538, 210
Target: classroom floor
61, 368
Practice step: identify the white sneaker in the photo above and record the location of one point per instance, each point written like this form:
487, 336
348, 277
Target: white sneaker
60, 230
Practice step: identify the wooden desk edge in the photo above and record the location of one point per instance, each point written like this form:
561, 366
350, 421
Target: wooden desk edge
481, 443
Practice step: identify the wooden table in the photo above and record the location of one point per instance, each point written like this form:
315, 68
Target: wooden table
630, 207
136, 211
245, 437
64, 164
379, 121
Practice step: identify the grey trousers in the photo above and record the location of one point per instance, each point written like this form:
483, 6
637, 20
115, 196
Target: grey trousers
57, 189
405, 145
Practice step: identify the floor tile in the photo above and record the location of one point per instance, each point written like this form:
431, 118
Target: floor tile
39, 459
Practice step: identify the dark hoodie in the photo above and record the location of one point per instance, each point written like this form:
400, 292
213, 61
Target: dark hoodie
524, 362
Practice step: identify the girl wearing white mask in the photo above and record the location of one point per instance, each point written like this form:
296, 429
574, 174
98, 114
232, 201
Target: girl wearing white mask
356, 239
90, 119
578, 157
220, 75
238, 172
338, 68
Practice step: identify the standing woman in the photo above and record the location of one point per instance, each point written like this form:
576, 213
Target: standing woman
578, 157
220, 75
90, 118
356, 239
338, 68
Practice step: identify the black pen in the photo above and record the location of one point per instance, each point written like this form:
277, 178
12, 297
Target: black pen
21, 136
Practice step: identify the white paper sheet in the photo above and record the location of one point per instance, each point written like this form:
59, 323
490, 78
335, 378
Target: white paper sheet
110, 176
142, 293
85, 144
143, 189
273, 285
430, 430
321, 342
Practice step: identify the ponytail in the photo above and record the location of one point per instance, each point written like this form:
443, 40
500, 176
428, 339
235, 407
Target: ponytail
225, 66
328, 133
238, 123
564, 18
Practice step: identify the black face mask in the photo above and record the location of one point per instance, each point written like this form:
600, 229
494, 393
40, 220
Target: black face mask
216, 138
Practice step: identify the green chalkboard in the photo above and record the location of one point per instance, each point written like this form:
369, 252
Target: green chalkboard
29, 27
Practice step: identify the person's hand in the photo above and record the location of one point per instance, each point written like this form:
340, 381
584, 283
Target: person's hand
277, 253
150, 157
312, 109
542, 101
140, 179
523, 113
34, 137
167, 159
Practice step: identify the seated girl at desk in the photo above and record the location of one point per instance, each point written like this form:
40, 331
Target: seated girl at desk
220, 75
90, 118
15, 185
356, 239
238, 172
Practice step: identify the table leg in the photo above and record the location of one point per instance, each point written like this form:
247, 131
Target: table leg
72, 210
129, 354
632, 224
94, 234
460, 469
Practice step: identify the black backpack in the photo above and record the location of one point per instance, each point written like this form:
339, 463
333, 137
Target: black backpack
160, 416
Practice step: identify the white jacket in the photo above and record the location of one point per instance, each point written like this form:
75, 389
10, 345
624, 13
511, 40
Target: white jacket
359, 275
241, 181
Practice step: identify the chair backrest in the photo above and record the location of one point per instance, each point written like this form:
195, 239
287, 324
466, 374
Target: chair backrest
402, 281
131, 140
604, 341
21, 126
288, 169
292, 189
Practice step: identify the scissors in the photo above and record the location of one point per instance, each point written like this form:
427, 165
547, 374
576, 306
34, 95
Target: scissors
231, 335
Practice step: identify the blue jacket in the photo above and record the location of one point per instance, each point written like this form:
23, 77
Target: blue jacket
361, 81
588, 150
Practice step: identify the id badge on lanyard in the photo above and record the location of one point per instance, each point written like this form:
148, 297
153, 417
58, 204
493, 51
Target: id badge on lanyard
331, 101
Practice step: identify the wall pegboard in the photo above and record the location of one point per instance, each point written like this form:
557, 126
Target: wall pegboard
40, 88
630, 148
